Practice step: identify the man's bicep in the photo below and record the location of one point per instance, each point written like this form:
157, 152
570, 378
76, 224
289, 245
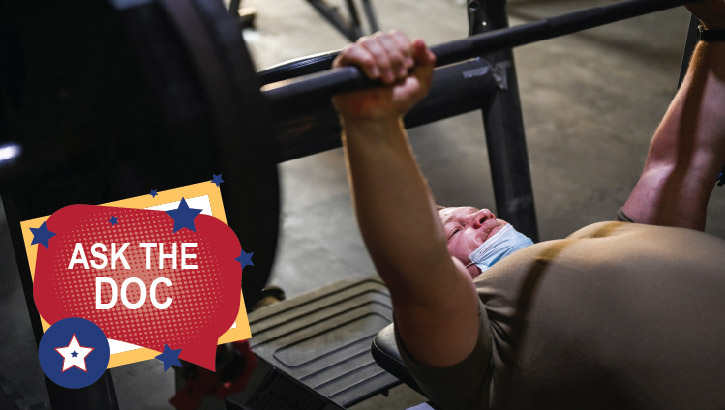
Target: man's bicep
439, 322
465, 384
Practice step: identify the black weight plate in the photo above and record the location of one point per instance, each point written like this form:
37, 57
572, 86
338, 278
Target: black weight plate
248, 147
110, 100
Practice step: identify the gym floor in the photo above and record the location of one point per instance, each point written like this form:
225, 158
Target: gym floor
590, 101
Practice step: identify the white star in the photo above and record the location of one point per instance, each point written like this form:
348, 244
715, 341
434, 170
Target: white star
74, 355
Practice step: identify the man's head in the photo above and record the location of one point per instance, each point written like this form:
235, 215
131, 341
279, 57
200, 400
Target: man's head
468, 228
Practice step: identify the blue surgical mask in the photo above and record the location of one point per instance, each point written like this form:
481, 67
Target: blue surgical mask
505, 242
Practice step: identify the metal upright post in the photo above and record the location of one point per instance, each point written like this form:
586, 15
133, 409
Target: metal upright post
503, 122
370, 13
26, 202
331, 14
234, 8
355, 29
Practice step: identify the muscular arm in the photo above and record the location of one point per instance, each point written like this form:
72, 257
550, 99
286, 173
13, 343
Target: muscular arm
688, 148
434, 301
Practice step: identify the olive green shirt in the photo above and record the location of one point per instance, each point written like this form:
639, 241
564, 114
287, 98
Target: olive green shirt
618, 315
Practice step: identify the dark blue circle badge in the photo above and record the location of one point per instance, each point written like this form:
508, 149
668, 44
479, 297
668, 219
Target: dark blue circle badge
74, 353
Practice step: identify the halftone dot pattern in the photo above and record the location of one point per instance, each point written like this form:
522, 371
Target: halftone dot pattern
148, 326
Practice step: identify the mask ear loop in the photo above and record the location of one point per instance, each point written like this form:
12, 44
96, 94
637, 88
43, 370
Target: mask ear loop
469, 265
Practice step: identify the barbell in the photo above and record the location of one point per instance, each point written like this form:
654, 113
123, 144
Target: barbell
125, 96
322, 86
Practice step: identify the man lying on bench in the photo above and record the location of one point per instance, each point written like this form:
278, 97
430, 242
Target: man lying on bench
620, 314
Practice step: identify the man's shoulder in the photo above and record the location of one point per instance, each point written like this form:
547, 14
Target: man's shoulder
607, 246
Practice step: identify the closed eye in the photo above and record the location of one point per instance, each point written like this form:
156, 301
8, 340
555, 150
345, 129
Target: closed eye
453, 232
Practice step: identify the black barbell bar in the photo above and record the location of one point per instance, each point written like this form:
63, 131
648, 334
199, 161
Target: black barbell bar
323, 85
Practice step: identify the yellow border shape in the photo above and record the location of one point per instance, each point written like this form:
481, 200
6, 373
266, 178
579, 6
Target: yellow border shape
240, 332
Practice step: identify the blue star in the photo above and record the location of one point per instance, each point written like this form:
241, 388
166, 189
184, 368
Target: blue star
245, 259
41, 235
183, 216
113, 220
170, 357
153, 193
74, 354
217, 179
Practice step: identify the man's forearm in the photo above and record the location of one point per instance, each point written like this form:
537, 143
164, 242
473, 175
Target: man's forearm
393, 204
688, 148
433, 296
695, 121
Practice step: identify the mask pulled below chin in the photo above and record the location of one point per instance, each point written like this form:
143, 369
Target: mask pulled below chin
505, 242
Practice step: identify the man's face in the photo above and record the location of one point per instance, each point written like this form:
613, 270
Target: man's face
466, 228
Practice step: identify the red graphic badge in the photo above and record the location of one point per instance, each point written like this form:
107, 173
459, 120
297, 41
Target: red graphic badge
164, 280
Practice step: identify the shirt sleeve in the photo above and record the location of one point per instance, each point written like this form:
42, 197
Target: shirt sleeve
463, 386
622, 217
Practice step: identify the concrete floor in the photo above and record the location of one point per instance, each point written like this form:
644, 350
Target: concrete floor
591, 101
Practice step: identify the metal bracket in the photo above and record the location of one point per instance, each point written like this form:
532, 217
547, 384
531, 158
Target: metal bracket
500, 73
